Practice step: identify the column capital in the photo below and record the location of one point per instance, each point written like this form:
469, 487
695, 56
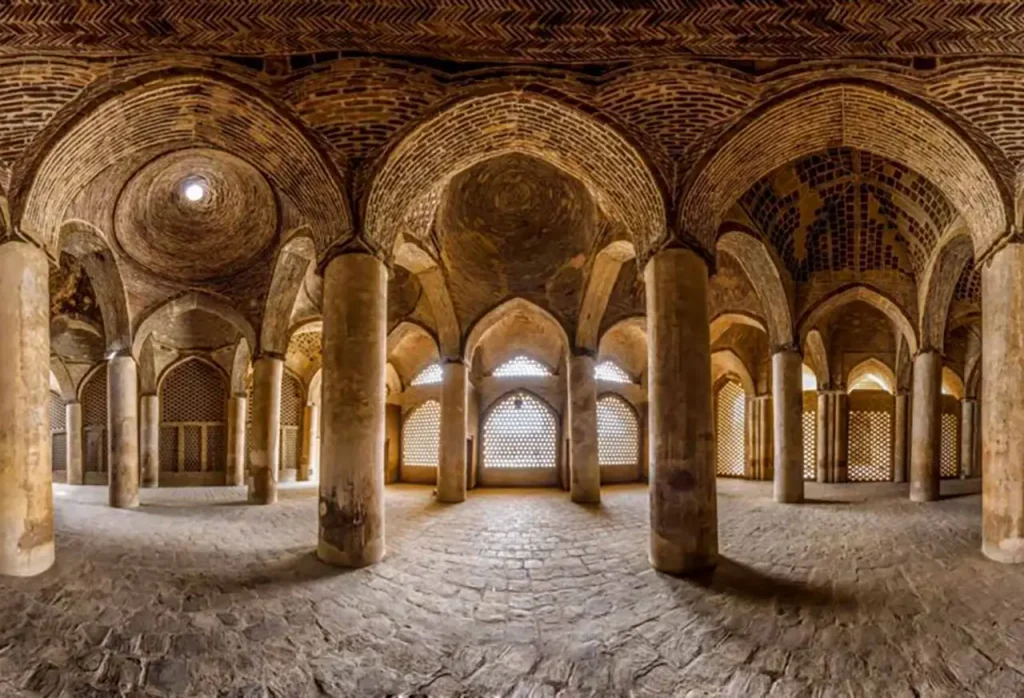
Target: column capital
678, 241
1012, 236
265, 354
355, 244
789, 347
583, 352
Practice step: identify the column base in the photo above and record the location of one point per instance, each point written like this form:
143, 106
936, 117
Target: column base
666, 557
371, 554
586, 497
450, 499
1008, 551
36, 561
789, 497
917, 495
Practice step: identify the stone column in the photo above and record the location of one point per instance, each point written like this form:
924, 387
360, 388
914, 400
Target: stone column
824, 441
841, 432
265, 449
684, 514
899, 441
451, 471
353, 411
925, 435
302, 472
967, 409
26, 478
787, 400
73, 436
585, 477
235, 475
149, 440
761, 440
1002, 413
123, 432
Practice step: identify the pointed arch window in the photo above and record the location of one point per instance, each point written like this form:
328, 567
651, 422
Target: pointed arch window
431, 375
520, 432
521, 365
618, 433
611, 372
421, 435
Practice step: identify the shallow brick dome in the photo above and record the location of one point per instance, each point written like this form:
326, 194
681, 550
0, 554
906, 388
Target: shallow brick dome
219, 234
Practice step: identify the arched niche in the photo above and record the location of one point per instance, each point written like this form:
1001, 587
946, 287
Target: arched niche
871, 374
768, 277
410, 349
725, 364
952, 384
625, 343
516, 326
192, 302
600, 283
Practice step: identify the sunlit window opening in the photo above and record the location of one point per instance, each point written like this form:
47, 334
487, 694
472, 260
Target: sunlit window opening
431, 375
810, 381
731, 422
870, 446
421, 435
521, 366
610, 371
520, 432
618, 435
870, 381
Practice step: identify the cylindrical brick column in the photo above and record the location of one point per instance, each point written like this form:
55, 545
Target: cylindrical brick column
314, 441
925, 425
841, 431
787, 401
451, 471
302, 472
26, 478
265, 449
1002, 414
585, 474
123, 432
766, 469
235, 475
149, 439
355, 312
684, 513
73, 439
823, 437
901, 408
967, 419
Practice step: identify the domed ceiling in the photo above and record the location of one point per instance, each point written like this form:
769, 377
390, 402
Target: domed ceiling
196, 215
516, 226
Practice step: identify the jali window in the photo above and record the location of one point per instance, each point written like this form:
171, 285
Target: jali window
730, 453
520, 432
610, 371
521, 366
618, 435
421, 434
431, 375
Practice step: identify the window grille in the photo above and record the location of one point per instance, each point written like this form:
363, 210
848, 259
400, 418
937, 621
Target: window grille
193, 408
870, 446
431, 375
810, 423
310, 345
618, 434
94, 422
58, 416
520, 432
521, 366
730, 451
58, 433
421, 435
291, 401
949, 464
610, 371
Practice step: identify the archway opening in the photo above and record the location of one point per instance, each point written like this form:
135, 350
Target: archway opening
520, 442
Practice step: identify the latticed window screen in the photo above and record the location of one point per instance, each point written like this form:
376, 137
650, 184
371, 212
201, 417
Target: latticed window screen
58, 434
58, 416
618, 434
94, 421
520, 432
431, 375
870, 454
810, 423
522, 366
291, 419
193, 406
421, 434
610, 371
949, 463
730, 451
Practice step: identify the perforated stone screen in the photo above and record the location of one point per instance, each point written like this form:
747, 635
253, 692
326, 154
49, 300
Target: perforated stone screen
520, 432
949, 463
291, 401
810, 423
193, 391
421, 434
57, 413
431, 375
522, 366
618, 434
94, 399
610, 371
58, 435
870, 453
730, 422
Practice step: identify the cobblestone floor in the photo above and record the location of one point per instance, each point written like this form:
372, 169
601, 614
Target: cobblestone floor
518, 593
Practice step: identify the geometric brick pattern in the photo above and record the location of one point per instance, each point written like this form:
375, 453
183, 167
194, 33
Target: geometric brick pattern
870, 454
809, 418
292, 405
949, 460
730, 452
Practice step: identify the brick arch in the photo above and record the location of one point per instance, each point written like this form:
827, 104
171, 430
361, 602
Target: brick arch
435, 285
816, 357
293, 261
876, 367
511, 311
408, 187
768, 277
937, 287
803, 122
410, 349
600, 284
191, 300
825, 308
723, 321
726, 365
168, 111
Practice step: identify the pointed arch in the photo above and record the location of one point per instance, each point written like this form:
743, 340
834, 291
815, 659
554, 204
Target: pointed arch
212, 365
60, 374
600, 283
935, 290
167, 110
411, 347
294, 259
240, 361
768, 278
952, 384
723, 321
626, 343
816, 357
846, 113
871, 370
824, 309
407, 189
192, 300
519, 312
412, 257
725, 364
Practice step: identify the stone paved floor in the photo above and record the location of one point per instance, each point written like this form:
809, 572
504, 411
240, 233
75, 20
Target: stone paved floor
516, 593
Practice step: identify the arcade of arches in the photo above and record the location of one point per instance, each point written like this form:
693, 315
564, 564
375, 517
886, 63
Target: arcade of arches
507, 318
